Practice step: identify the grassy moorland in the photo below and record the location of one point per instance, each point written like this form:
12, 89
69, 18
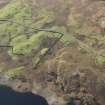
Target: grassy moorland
77, 61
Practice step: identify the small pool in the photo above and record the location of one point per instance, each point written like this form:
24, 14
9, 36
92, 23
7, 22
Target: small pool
11, 97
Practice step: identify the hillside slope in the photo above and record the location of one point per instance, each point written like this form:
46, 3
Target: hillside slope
73, 68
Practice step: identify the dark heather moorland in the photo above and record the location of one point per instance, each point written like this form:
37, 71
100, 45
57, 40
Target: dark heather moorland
66, 68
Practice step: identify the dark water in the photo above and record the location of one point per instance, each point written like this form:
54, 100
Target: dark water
10, 97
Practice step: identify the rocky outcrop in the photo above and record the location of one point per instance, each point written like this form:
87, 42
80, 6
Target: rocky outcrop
3, 3
72, 73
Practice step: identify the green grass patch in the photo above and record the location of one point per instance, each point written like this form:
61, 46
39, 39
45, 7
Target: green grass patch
15, 72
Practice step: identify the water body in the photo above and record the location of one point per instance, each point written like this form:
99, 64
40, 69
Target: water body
11, 97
